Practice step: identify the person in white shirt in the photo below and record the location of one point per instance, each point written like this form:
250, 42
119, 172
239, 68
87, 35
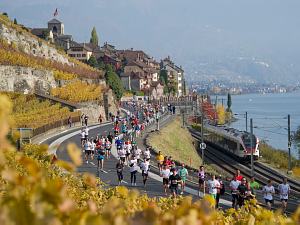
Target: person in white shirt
234, 184
165, 174
93, 146
137, 153
82, 137
121, 153
284, 190
133, 167
145, 166
86, 131
268, 191
147, 154
212, 186
87, 150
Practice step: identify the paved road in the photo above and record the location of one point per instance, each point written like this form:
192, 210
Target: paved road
109, 176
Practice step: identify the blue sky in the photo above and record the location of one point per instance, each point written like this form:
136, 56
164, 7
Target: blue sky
182, 28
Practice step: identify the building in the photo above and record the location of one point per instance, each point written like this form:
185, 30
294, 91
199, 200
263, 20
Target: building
55, 32
56, 26
175, 75
79, 51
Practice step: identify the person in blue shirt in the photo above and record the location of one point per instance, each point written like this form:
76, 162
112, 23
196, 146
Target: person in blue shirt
119, 143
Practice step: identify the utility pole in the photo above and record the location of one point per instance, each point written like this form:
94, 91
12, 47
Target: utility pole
251, 144
289, 143
202, 138
246, 115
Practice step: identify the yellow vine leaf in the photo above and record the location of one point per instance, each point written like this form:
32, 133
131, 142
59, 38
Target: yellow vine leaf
75, 154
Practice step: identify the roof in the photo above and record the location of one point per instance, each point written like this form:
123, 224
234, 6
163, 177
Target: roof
74, 44
39, 31
132, 55
64, 36
54, 21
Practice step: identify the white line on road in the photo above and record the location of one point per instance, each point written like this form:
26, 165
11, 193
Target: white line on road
93, 164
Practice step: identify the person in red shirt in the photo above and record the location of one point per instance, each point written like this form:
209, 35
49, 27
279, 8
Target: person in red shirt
238, 175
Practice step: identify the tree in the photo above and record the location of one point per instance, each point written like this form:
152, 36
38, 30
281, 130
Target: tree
163, 76
229, 103
93, 62
114, 81
94, 37
15, 21
221, 114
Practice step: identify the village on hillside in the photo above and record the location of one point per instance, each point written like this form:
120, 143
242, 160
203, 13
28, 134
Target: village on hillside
140, 73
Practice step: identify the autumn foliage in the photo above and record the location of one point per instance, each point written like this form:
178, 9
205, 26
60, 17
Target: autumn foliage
34, 190
28, 111
11, 54
79, 91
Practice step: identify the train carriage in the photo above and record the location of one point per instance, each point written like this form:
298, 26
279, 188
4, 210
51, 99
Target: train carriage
237, 143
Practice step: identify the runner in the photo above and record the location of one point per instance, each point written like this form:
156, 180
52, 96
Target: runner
121, 153
213, 185
254, 186
234, 184
284, 191
220, 190
238, 175
268, 191
110, 137
120, 167
242, 192
93, 146
147, 154
116, 130
133, 170
124, 129
137, 153
86, 120
201, 176
108, 148
165, 174
100, 157
183, 173
160, 160
87, 150
174, 179
145, 167
82, 137
86, 131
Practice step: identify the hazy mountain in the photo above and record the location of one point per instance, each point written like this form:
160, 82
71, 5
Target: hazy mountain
235, 37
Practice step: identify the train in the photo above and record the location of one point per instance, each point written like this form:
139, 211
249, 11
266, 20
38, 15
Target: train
235, 142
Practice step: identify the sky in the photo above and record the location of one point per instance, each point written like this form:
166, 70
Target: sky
184, 29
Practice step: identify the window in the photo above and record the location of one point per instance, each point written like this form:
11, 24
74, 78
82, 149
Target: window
83, 55
78, 55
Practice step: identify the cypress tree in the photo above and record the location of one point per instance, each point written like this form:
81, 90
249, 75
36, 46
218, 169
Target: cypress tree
94, 37
229, 103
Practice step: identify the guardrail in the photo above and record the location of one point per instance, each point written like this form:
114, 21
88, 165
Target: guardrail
53, 125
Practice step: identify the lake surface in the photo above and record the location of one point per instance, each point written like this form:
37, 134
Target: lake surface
269, 113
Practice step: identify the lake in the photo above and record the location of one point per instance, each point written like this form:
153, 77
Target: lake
269, 113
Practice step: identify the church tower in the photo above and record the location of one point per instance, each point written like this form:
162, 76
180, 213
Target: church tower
56, 27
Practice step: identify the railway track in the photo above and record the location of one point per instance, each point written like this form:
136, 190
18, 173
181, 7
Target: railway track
262, 172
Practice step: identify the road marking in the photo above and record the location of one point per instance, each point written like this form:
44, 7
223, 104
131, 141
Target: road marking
104, 171
125, 182
93, 164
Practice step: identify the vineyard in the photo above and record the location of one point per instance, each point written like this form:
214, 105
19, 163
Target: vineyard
78, 91
28, 111
36, 190
12, 55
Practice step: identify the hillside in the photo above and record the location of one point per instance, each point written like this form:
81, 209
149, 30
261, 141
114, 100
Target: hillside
30, 63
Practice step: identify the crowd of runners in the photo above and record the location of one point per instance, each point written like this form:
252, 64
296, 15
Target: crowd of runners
173, 177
